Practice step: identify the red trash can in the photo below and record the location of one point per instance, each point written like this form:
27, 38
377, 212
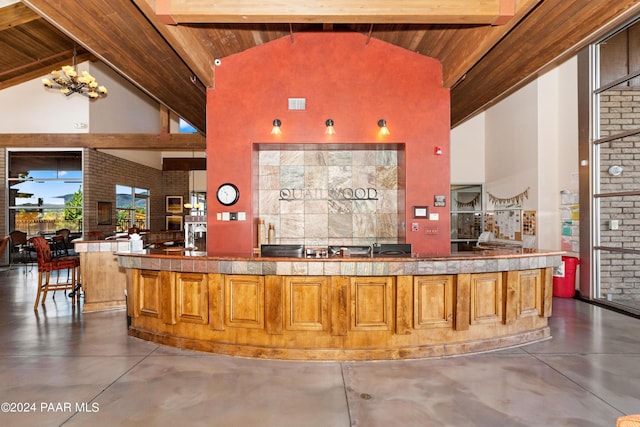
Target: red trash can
564, 278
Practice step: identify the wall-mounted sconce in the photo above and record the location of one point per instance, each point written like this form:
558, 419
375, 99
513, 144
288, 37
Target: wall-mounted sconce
438, 151
276, 127
330, 130
384, 130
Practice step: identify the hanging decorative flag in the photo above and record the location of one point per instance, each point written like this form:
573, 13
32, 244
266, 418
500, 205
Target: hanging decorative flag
517, 199
470, 204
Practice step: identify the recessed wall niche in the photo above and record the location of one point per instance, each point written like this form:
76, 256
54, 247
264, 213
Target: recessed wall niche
347, 194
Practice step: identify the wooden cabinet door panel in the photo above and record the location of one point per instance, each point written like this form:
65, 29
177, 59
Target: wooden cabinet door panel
192, 294
149, 293
371, 303
306, 302
433, 302
486, 298
530, 298
244, 301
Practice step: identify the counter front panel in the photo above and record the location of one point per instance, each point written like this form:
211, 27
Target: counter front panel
337, 309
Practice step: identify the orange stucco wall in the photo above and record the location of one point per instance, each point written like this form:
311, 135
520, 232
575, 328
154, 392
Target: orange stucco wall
349, 78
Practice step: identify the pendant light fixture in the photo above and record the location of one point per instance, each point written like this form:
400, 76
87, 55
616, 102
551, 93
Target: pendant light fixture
68, 82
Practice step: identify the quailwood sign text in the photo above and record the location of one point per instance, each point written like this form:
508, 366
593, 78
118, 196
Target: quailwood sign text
296, 194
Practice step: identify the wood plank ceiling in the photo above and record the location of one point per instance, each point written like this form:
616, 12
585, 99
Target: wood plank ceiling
488, 48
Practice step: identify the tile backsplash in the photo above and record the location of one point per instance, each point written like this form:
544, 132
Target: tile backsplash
324, 197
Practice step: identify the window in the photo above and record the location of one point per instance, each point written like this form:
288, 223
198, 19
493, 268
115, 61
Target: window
616, 153
185, 127
45, 191
132, 208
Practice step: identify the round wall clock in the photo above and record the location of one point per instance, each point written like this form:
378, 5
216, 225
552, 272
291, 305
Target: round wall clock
228, 194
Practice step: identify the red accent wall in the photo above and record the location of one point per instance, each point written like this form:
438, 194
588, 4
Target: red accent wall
349, 78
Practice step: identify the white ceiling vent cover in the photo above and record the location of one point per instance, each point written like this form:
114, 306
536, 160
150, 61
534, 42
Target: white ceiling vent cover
297, 103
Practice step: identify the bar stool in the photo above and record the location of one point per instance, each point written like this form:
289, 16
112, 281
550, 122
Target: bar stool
47, 264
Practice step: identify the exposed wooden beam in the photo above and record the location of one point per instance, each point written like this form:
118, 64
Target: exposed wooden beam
490, 12
198, 53
460, 49
39, 68
16, 14
518, 58
165, 121
173, 142
184, 164
122, 37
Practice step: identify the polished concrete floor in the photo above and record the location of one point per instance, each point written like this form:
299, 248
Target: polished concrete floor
61, 367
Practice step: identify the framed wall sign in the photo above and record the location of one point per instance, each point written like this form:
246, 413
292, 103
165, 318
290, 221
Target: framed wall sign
420, 212
440, 200
174, 204
174, 223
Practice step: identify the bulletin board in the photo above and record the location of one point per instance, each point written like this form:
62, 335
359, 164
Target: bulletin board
510, 224
529, 223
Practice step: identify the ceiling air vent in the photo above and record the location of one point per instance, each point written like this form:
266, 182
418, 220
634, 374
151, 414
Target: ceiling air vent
297, 103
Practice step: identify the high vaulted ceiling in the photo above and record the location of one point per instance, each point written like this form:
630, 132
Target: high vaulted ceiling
168, 47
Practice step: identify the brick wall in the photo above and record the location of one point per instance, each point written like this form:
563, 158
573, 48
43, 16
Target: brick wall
619, 272
102, 172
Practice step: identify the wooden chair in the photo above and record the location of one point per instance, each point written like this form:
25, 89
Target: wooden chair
19, 245
47, 264
61, 241
58, 247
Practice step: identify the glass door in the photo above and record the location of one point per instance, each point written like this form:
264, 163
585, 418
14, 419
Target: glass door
466, 216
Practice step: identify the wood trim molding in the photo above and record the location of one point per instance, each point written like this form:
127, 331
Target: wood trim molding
134, 141
334, 11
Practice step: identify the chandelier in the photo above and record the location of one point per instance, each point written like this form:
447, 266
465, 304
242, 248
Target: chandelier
69, 82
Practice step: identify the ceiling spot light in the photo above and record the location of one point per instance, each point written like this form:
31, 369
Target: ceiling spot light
276, 127
384, 130
330, 130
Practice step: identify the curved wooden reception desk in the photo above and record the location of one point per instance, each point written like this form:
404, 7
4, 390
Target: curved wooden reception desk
342, 308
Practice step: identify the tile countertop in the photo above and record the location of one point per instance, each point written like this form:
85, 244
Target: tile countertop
180, 252
489, 260
81, 246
